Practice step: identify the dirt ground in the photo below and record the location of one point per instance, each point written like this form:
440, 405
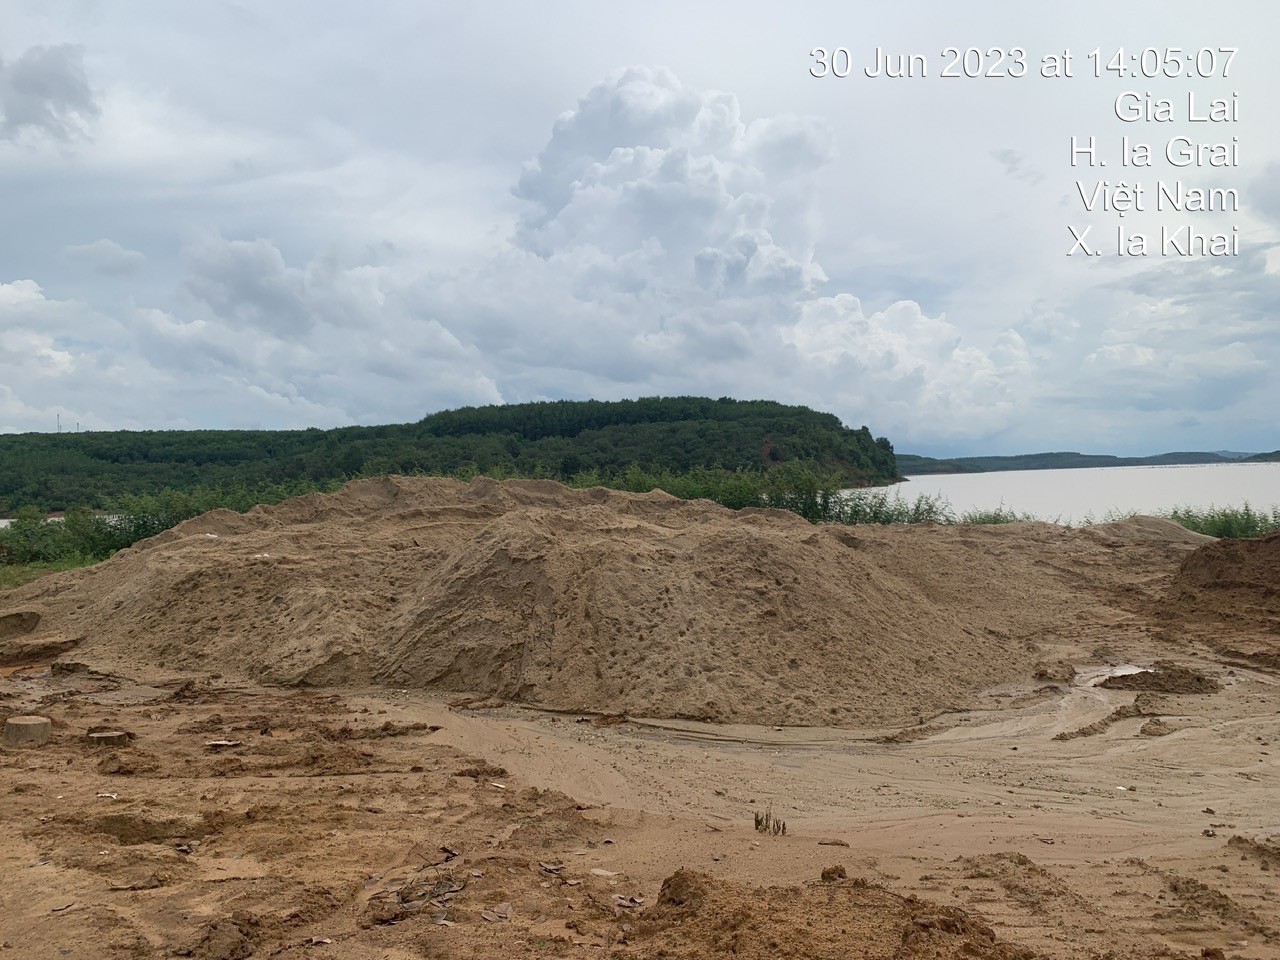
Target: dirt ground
1044, 814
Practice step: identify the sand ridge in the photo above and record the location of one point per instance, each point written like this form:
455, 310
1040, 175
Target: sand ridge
601, 601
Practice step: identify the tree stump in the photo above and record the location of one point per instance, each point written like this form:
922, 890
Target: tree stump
27, 731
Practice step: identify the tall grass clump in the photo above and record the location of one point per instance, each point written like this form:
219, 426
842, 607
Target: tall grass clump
878, 505
1243, 521
1000, 514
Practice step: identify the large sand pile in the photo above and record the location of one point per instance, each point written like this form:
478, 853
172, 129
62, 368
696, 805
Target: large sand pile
1236, 578
1228, 593
595, 600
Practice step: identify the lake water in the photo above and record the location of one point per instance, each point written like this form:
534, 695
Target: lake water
1092, 492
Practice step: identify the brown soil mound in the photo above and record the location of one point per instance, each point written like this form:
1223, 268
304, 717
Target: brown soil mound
1163, 677
1266, 851
699, 916
1227, 594
1251, 565
611, 602
1237, 581
1142, 529
1125, 712
1156, 727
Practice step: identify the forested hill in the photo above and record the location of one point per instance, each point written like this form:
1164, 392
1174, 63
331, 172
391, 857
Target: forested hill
912, 465
561, 440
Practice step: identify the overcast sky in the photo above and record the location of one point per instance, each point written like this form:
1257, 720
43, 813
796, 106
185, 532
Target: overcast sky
291, 214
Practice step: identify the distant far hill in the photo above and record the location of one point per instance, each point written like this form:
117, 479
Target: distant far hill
1272, 457
910, 464
558, 440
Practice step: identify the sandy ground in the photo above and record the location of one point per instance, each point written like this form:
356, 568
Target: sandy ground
415, 719
346, 823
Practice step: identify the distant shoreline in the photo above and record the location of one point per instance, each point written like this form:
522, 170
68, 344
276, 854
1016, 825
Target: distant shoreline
910, 464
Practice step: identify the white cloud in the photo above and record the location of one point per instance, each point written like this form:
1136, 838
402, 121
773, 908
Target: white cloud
45, 365
107, 257
20, 292
1142, 377
319, 234
44, 92
37, 352
1121, 357
645, 163
909, 367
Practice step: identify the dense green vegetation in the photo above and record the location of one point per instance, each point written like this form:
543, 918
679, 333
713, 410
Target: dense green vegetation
83, 536
1228, 521
913, 466
557, 440
882, 506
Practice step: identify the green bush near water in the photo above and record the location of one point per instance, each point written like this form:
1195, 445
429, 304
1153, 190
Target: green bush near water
1000, 514
83, 536
1235, 522
884, 506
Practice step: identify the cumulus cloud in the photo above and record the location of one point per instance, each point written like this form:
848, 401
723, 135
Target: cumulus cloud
909, 367
246, 284
1193, 340
645, 163
47, 362
150, 368
1140, 377
664, 242
107, 257
665, 245
45, 92
341, 333
668, 246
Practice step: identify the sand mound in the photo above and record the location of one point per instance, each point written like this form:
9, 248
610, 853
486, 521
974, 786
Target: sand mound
595, 600
701, 916
1163, 677
1243, 573
1228, 593
1142, 529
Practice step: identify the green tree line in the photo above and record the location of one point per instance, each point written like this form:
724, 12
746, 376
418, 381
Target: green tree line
560, 440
